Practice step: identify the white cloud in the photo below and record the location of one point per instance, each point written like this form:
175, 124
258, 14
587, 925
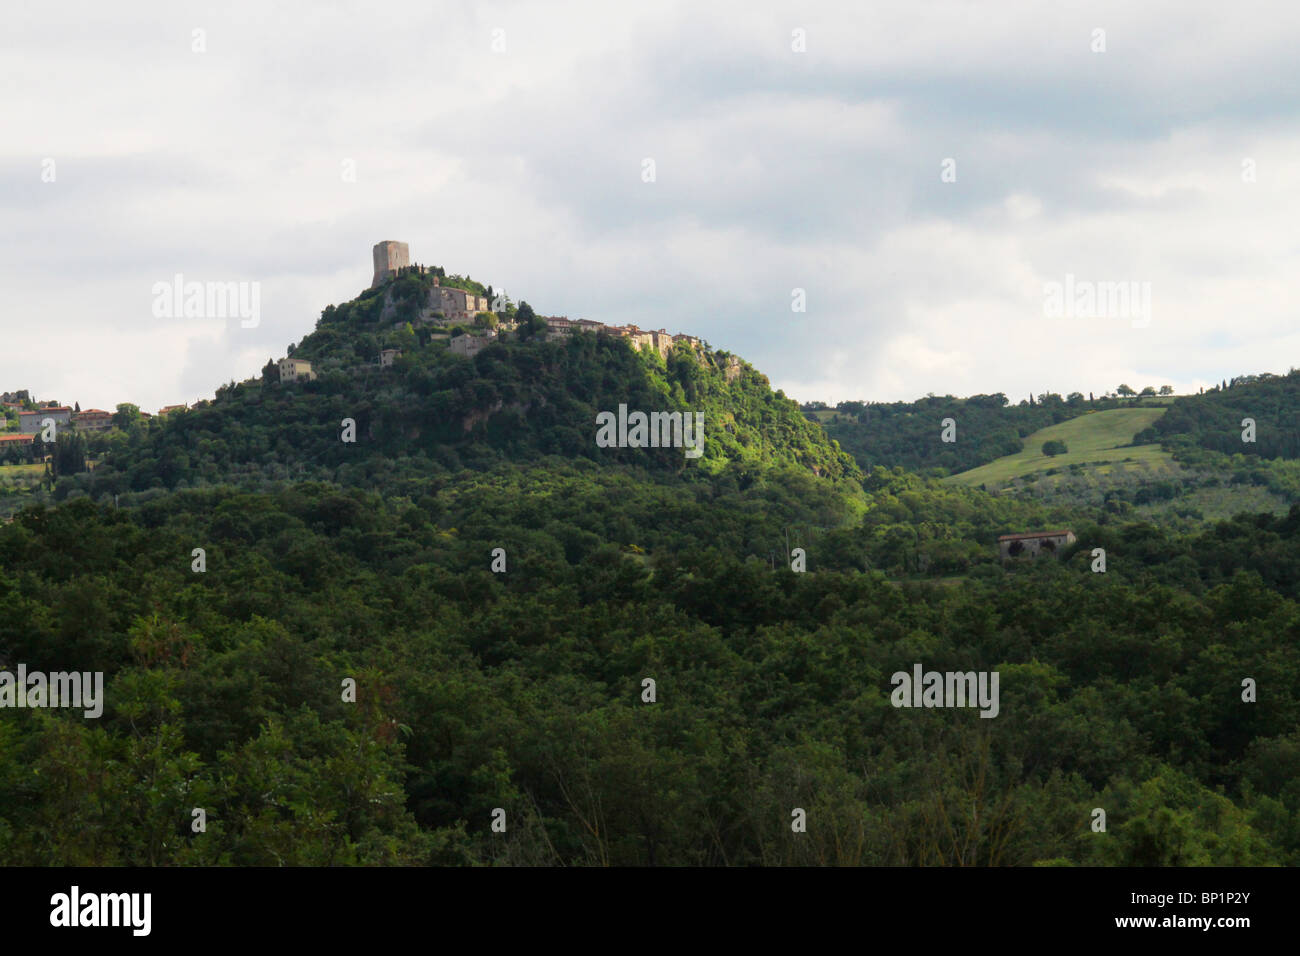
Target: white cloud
777, 170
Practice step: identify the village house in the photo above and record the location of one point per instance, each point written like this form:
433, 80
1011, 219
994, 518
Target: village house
1033, 544
11, 441
29, 423
388, 356
168, 409
295, 370
93, 420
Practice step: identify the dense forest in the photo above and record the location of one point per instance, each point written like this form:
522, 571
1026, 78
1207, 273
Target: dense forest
500, 591
1214, 421
522, 689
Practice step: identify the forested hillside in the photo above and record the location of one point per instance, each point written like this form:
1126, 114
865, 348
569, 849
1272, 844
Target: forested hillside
1213, 421
436, 411
522, 689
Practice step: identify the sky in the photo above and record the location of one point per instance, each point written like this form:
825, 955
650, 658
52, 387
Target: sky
915, 176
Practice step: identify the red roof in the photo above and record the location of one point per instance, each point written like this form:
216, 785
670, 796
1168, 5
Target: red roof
27, 439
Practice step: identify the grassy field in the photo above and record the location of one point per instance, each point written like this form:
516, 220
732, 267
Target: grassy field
21, 473
1093, 439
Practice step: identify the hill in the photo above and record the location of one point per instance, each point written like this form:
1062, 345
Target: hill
907, 434
522, 398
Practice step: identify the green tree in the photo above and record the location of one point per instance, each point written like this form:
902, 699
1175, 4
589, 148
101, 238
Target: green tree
126, 416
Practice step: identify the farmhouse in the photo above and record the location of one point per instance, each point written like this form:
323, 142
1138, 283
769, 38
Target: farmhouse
295, 370
1033, 544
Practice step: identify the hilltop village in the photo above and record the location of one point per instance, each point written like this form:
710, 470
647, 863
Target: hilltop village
454, 307
454, 310
23, 420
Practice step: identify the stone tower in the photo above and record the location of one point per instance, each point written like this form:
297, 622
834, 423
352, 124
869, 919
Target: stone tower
389, 257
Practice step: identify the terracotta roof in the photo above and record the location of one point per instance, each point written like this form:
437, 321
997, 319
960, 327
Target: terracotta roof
22, 438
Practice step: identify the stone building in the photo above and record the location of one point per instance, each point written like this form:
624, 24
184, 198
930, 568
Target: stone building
389, 257
1033, 544
457, 306
295, 370
469, 345
388, 356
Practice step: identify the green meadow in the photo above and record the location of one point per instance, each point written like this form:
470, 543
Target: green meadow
1099, 440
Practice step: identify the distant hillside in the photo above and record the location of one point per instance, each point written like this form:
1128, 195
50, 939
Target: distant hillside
1109, 466
907, 434
1176, 460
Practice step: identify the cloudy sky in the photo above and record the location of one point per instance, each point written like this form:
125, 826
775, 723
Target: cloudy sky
794, 146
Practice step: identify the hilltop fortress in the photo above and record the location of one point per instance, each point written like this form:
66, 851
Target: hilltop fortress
449, 306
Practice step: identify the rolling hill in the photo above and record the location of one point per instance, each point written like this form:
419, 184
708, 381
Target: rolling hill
1101, 440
